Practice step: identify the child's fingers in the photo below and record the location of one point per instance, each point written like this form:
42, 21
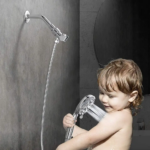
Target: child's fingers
69, 115
69, 118
68, 123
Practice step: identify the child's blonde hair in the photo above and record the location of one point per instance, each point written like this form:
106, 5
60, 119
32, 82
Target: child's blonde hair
126, 75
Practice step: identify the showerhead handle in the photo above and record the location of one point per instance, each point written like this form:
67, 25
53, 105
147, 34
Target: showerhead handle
81, 109
62, 37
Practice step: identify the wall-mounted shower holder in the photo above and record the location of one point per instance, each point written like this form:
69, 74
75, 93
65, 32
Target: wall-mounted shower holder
26, 16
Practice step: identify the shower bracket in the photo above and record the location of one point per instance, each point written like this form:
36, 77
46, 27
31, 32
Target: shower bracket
26, 16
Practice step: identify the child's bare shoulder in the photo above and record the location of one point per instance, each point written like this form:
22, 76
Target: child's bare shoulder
120, 117
121, 113
112, 123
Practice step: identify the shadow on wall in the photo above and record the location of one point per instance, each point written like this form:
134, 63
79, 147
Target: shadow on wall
24, 58
15, 80
122, 31
142, 120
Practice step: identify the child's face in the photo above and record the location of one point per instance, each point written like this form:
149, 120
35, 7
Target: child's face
114, 101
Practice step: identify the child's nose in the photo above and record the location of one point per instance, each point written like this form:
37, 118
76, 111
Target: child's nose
104, 98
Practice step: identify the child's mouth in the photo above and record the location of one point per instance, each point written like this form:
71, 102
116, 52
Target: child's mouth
107, 106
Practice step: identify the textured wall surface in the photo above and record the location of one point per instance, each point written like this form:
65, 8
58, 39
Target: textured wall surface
88, 62
143, 117
122, 31
140, 143
113, 32
25, 51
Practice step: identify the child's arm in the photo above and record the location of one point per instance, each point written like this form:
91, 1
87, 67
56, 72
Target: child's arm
68, 121
77, 130
109, 125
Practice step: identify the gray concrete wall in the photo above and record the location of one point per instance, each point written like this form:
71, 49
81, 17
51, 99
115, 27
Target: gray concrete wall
142, 120
25, 51
88, 61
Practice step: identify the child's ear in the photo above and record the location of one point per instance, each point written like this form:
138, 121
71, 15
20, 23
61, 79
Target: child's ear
133, 96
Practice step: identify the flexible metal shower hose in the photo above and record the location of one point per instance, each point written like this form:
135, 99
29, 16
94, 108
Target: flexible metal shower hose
46, 91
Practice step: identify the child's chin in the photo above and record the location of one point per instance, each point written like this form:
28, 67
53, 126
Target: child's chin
108, 109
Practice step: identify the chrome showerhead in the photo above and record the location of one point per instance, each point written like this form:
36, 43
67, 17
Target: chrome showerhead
61, 36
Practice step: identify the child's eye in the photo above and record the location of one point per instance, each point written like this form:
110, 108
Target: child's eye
110, 96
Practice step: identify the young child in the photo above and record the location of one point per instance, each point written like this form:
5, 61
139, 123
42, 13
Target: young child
120, 84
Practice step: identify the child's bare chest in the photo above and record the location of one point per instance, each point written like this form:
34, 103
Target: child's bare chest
108, 144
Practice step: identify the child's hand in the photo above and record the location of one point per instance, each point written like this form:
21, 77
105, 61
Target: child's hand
68, 121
